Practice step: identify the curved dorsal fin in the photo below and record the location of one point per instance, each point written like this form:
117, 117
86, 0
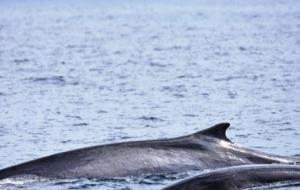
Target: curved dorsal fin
216, 131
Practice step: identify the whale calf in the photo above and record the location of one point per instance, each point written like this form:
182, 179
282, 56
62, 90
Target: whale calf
206, 149
242, 177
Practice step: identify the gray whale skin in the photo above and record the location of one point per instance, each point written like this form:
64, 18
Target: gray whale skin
206, 149
242, 177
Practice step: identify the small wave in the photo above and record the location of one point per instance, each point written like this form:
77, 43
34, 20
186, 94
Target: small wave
155, 64
20, 180
229, 78
178, 95
58, 80
54, 80
80, 124
190, 115
150, 118
19, 61
188, 76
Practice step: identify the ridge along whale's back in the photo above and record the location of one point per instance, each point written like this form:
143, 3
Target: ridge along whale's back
206, 149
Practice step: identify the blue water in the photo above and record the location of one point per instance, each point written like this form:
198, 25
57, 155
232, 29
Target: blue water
83, 73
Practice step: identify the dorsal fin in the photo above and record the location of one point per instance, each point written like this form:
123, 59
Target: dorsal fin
216, 131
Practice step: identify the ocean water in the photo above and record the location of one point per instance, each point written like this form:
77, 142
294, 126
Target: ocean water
83, 73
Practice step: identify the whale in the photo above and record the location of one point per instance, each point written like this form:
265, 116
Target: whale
206, 149
242, 177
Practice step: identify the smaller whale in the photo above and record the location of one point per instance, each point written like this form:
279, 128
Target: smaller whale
242, 177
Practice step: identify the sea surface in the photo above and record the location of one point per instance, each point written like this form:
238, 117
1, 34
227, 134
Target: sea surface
81, 73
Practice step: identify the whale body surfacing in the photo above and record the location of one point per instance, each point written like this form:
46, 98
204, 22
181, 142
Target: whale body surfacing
206, 149
242, 177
